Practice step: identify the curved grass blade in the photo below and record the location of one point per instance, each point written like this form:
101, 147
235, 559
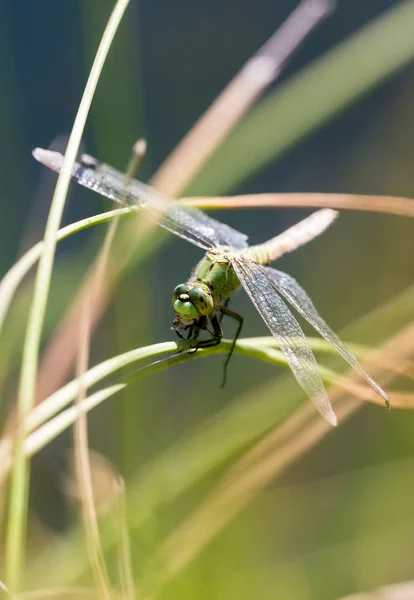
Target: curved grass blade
27, 383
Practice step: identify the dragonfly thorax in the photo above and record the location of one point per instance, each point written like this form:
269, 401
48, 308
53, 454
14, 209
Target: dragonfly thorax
191, 302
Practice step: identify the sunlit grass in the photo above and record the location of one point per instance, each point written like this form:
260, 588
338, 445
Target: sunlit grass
241, 448
16, 530
276, 409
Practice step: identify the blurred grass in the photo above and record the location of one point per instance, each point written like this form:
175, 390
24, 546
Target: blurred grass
26, 394
319, 538
120, 95
205, 450
310, 99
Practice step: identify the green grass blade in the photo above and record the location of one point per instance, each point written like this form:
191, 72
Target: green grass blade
207, 446
46, 421
26, 393
318, 93
17, 272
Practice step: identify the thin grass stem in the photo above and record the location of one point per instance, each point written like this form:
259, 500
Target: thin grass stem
16, 530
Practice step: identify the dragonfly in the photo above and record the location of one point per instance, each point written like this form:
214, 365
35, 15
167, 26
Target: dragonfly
229, 263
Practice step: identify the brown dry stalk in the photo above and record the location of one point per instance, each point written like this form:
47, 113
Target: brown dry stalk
238, 97
366, 394
125, 564
81, 446
385, 204
59, 355
81, 451
265, 461
395, 591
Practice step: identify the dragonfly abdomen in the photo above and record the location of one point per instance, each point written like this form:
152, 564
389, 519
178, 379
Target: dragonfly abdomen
301, 233
260, 254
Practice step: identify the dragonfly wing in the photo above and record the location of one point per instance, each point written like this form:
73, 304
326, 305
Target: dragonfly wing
259, 285
289, 288
190, 224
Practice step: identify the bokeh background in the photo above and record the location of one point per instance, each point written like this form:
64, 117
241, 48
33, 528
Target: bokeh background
341, 518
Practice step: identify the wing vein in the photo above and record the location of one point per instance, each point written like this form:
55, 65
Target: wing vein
290, 289
258, 284
188, 223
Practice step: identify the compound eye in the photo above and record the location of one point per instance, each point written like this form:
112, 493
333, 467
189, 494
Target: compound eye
201, 300
178, 291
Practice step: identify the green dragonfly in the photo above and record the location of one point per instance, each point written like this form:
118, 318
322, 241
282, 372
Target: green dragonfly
229, 263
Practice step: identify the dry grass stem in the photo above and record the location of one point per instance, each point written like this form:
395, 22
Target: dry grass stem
396, 591
125, 566
393, 205
238, 97
81, 450
265, 461
28, 375
82, 463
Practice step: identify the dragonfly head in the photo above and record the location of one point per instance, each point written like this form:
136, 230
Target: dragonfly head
191, 303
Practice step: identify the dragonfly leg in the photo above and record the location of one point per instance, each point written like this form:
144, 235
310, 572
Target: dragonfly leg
193, 335
229, 313
192, 332
215, 336
226, 303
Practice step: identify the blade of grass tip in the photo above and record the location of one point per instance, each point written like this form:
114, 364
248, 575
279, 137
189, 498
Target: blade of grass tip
4, 589
360, 351
27, 382
15, 275
237, 98
82, 463
393, 205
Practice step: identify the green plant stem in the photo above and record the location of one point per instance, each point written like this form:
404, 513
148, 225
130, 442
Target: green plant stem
14, 276
16, 530
46, 421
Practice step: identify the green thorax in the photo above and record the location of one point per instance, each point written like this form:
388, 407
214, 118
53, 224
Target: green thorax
216, 273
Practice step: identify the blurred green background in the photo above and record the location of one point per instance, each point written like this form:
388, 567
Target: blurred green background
340, 519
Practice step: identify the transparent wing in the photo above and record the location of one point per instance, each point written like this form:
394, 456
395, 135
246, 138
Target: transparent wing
189, 223
259, 285
289, 288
